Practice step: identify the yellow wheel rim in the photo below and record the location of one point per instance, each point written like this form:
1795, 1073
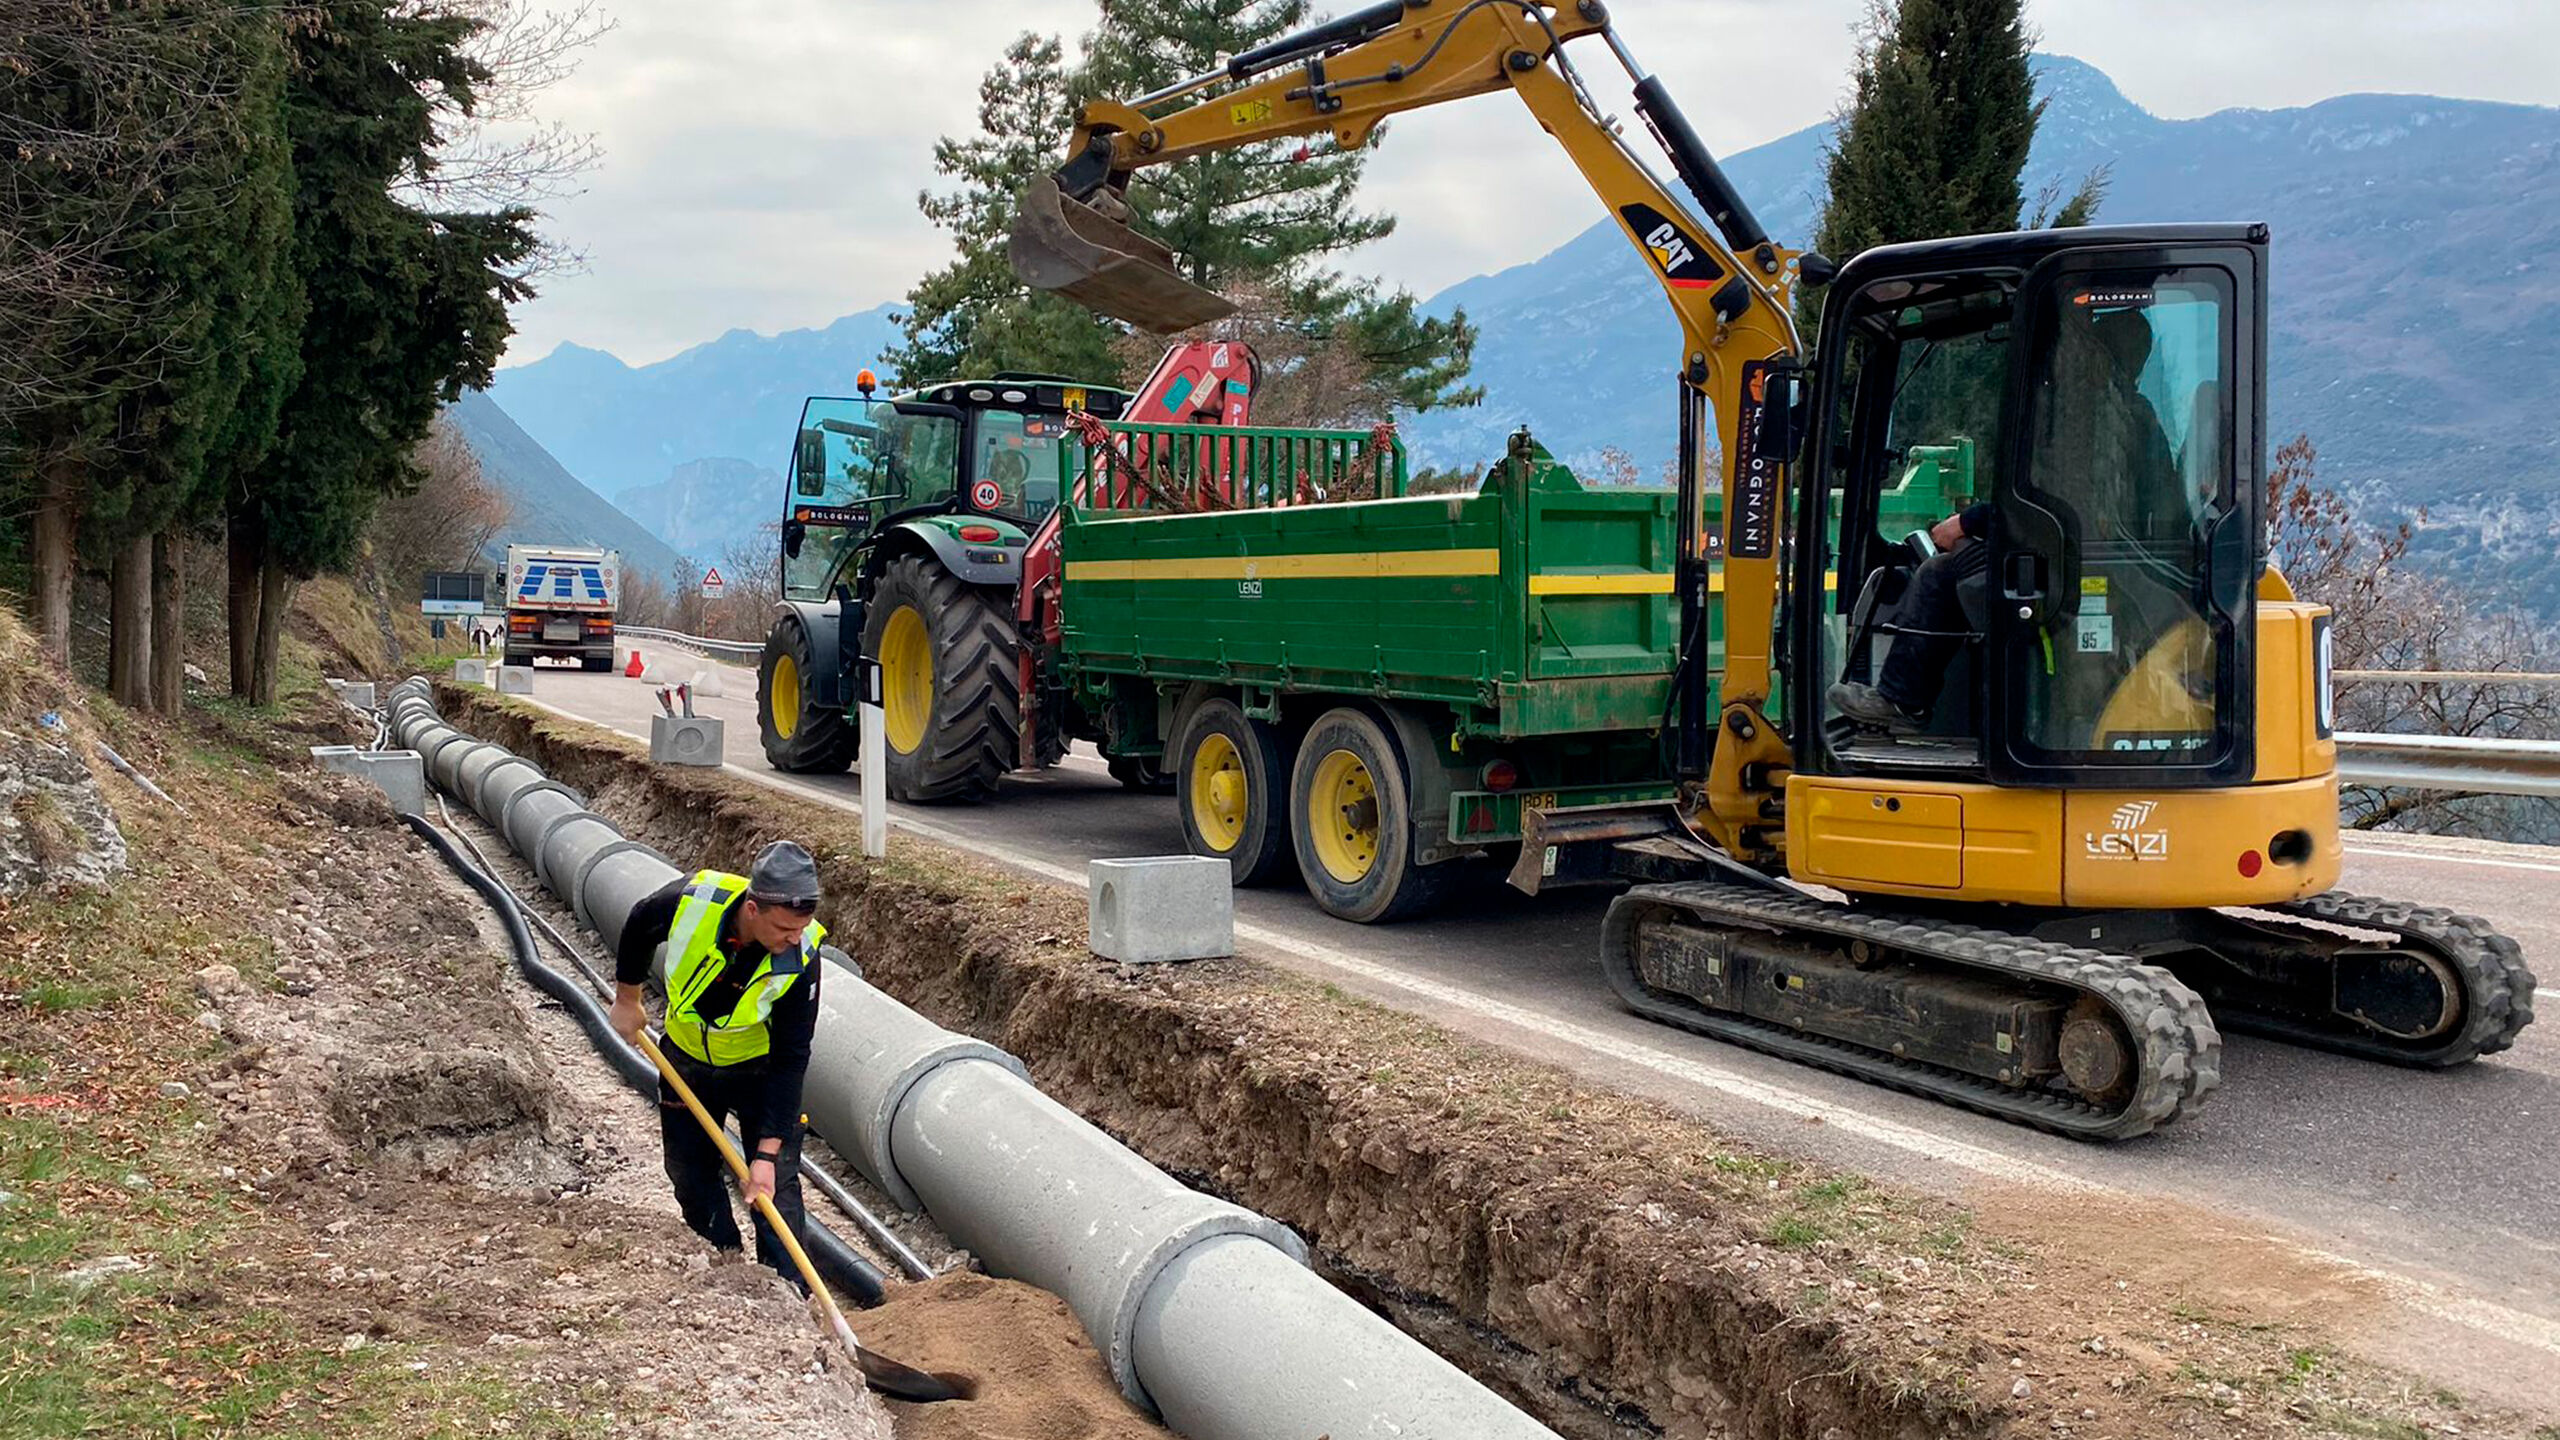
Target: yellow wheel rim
906, 679
1342, 806
1218, 792
785, 699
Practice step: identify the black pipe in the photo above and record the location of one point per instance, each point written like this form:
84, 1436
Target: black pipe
1698, 168
843, 1269
1348, 29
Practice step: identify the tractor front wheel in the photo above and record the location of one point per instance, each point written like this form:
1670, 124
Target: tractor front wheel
800, 737
950, 692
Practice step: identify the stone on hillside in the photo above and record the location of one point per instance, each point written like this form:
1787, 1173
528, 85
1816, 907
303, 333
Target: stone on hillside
55, 827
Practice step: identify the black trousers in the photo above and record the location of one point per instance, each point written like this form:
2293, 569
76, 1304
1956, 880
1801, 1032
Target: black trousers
698, 1173
1916, 665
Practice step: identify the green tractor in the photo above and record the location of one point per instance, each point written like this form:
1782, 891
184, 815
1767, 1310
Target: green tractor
909, 522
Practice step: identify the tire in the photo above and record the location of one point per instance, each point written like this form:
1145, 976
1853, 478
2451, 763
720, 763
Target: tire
949, 679
593, 664
1359, 867
1141, 773
799, 737
1231, 783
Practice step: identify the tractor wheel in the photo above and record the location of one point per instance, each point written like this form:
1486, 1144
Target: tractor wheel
949, 689
1232, 787
800, 738
1352, 815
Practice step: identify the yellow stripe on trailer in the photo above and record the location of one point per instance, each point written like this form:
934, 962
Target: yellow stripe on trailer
1409, 564
1600, 584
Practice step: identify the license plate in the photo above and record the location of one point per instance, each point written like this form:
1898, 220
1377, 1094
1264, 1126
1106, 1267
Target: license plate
1543, 800
560, 630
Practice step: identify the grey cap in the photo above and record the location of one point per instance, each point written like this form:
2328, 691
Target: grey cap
784, 875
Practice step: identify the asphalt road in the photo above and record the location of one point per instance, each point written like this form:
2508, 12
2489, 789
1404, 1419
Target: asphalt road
2450, 1179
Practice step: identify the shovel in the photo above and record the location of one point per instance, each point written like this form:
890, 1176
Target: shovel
899, 1382
1066, 245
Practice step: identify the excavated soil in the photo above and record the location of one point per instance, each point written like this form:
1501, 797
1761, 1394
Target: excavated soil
1613, 1267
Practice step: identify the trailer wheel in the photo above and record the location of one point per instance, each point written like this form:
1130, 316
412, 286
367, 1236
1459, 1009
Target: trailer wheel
1353, 814
1143, 774
951, 695
800, 738
1231, 783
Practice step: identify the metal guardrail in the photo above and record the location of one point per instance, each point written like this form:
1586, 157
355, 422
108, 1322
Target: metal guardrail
2450, 762
2464, 763
2444, 677
748, 650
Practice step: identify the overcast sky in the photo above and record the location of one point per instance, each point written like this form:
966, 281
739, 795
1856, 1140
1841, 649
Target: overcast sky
762, 157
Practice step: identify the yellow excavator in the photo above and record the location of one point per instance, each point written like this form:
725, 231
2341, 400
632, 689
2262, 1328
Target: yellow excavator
2017, 811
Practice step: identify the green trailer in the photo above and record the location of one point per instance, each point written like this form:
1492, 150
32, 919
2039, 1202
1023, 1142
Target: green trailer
1368, 690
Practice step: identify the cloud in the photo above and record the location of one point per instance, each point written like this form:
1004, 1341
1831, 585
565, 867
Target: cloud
763, 157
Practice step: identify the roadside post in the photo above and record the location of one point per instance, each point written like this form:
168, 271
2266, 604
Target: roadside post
875, 760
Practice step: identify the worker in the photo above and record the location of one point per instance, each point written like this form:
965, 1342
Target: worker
1932, 627
742, 1004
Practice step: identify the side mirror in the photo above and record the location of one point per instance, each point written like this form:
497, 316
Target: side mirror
794, 534
1780, 432
809, 464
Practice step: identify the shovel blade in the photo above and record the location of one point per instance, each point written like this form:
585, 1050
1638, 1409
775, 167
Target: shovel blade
1068, 247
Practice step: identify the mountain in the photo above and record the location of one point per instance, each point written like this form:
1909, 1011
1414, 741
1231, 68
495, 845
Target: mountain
551, 507
712, 505
2415, 325
620, 427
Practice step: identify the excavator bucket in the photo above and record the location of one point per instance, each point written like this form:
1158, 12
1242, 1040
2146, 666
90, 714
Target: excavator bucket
1068, 246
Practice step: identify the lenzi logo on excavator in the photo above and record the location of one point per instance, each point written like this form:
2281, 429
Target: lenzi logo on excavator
2125, 839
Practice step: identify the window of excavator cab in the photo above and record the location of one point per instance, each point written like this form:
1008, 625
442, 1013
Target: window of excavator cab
1019, 453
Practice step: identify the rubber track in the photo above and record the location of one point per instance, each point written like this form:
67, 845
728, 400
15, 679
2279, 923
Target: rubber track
2180, 1050
2497, 989
977, 701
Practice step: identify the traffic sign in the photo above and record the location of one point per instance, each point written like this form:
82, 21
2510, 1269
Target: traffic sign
712, 584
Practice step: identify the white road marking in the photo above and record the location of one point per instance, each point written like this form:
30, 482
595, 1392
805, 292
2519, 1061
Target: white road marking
2490, 861
2485, 1317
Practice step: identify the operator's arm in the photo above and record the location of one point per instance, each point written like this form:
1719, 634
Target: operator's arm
642, 934
1975, 520
793, 1025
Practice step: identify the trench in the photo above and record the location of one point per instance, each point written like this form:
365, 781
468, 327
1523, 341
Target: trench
1575, 1266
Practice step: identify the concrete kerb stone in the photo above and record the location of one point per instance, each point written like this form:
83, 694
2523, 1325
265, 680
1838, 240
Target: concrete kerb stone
358, 693
470, 672
685, 740
1160, 909
860, 1072
514, 680
398, 774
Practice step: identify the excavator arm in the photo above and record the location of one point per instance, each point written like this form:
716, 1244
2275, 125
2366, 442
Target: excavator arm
1730, 286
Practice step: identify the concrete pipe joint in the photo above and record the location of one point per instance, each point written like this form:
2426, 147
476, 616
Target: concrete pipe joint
1040, 1194
474, 768
446, 767
407, 728
433, 741
534, 807
409, 714
504, 782
869, 1051
568, 845
615, 879
1236, 1339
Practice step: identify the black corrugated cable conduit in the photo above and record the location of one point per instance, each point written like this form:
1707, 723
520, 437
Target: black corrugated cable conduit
844, 1270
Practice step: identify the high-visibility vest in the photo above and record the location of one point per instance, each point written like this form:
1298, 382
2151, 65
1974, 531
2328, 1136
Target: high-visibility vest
695, 961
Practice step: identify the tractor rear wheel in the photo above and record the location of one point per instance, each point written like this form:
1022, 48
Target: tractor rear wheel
950, 690
800, 737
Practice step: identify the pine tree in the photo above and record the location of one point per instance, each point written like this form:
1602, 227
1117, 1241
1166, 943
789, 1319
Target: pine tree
1941, 114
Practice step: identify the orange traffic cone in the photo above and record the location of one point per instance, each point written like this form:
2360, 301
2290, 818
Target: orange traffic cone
635, 669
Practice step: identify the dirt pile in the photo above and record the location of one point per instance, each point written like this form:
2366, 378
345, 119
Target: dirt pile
1038, 1377
1616, 1268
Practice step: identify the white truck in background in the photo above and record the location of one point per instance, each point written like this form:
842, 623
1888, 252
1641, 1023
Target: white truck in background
560, 603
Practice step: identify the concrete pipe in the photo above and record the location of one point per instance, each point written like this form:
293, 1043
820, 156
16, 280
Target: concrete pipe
434, 740
581, 877
406, 727
566, 845
474, 768
410, 712
448, 758
616, 879
1042, 1195
504, 782
531, 809
1237, 1339
860, 1070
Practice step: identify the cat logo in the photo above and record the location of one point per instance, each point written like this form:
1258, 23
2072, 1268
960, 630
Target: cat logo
2125, 839
1685, 262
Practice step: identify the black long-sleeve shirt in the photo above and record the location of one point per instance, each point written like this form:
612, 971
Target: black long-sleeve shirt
793, 1023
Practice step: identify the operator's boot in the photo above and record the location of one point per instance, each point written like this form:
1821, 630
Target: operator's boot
1866, 705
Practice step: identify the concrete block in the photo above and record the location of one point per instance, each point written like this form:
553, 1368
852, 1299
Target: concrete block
358, 693
470, 672
515, 680
400, 775
706, 683
1174, 907
684, 740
